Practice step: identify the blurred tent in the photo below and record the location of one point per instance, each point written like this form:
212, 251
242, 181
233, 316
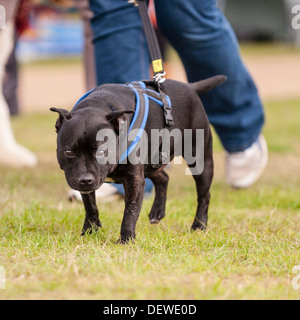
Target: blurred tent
262, 19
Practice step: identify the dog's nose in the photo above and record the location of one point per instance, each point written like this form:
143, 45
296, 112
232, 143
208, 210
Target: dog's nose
86, 180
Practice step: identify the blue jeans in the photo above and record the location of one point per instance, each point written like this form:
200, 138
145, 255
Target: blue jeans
207, 46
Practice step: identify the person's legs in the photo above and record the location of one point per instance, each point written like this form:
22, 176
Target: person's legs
121, 50
86, 14
10, 81
7, 45
207, 45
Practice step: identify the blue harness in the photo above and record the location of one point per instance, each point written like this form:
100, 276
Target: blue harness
142, 97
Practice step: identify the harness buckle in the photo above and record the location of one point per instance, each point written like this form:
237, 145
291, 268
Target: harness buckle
168, 117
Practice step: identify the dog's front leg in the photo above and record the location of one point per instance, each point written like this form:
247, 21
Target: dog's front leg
134, 186
160, 181
92, 221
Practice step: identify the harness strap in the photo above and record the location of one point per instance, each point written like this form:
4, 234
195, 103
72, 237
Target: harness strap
143, 95
166, 102
83, 97
139, 121
167, 106
140, 116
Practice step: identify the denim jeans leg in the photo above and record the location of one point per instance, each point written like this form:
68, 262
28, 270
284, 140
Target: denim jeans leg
121, 190
121, 51
207, 45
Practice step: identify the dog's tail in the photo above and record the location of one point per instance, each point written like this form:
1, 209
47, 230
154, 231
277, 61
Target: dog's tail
208, 84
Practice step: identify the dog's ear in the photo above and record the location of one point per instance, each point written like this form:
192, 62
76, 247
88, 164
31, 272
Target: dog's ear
116, 117
63, 116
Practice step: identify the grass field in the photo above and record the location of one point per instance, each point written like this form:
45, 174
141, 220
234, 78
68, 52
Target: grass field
247, 252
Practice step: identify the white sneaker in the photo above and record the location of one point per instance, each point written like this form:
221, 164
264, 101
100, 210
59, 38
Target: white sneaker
245, 168
106, 193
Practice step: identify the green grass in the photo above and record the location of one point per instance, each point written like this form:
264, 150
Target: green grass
247, 252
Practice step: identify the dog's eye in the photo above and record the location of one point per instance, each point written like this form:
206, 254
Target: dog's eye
69, 153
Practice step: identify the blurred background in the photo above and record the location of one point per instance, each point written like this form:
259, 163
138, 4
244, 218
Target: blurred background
50, 64
253, 238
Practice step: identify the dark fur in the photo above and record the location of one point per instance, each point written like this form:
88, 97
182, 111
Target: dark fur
77, 131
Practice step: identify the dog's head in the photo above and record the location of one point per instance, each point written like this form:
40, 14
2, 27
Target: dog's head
87, 145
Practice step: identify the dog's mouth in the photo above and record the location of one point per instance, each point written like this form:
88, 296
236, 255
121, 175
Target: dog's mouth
84, 188
88, 189
86, 192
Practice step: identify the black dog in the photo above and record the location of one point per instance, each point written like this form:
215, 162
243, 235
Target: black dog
107, 107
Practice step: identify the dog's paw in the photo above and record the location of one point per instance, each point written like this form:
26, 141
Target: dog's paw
156, 215
90, 228
126, 240
198, 225
126, 236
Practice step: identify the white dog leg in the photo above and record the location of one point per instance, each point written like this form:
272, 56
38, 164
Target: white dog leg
11, 153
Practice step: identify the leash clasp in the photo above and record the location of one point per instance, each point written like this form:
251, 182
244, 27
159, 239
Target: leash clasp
160, 77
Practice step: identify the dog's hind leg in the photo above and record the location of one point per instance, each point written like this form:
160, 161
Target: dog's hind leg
160, 181
203, 183
203, 176
92, 221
